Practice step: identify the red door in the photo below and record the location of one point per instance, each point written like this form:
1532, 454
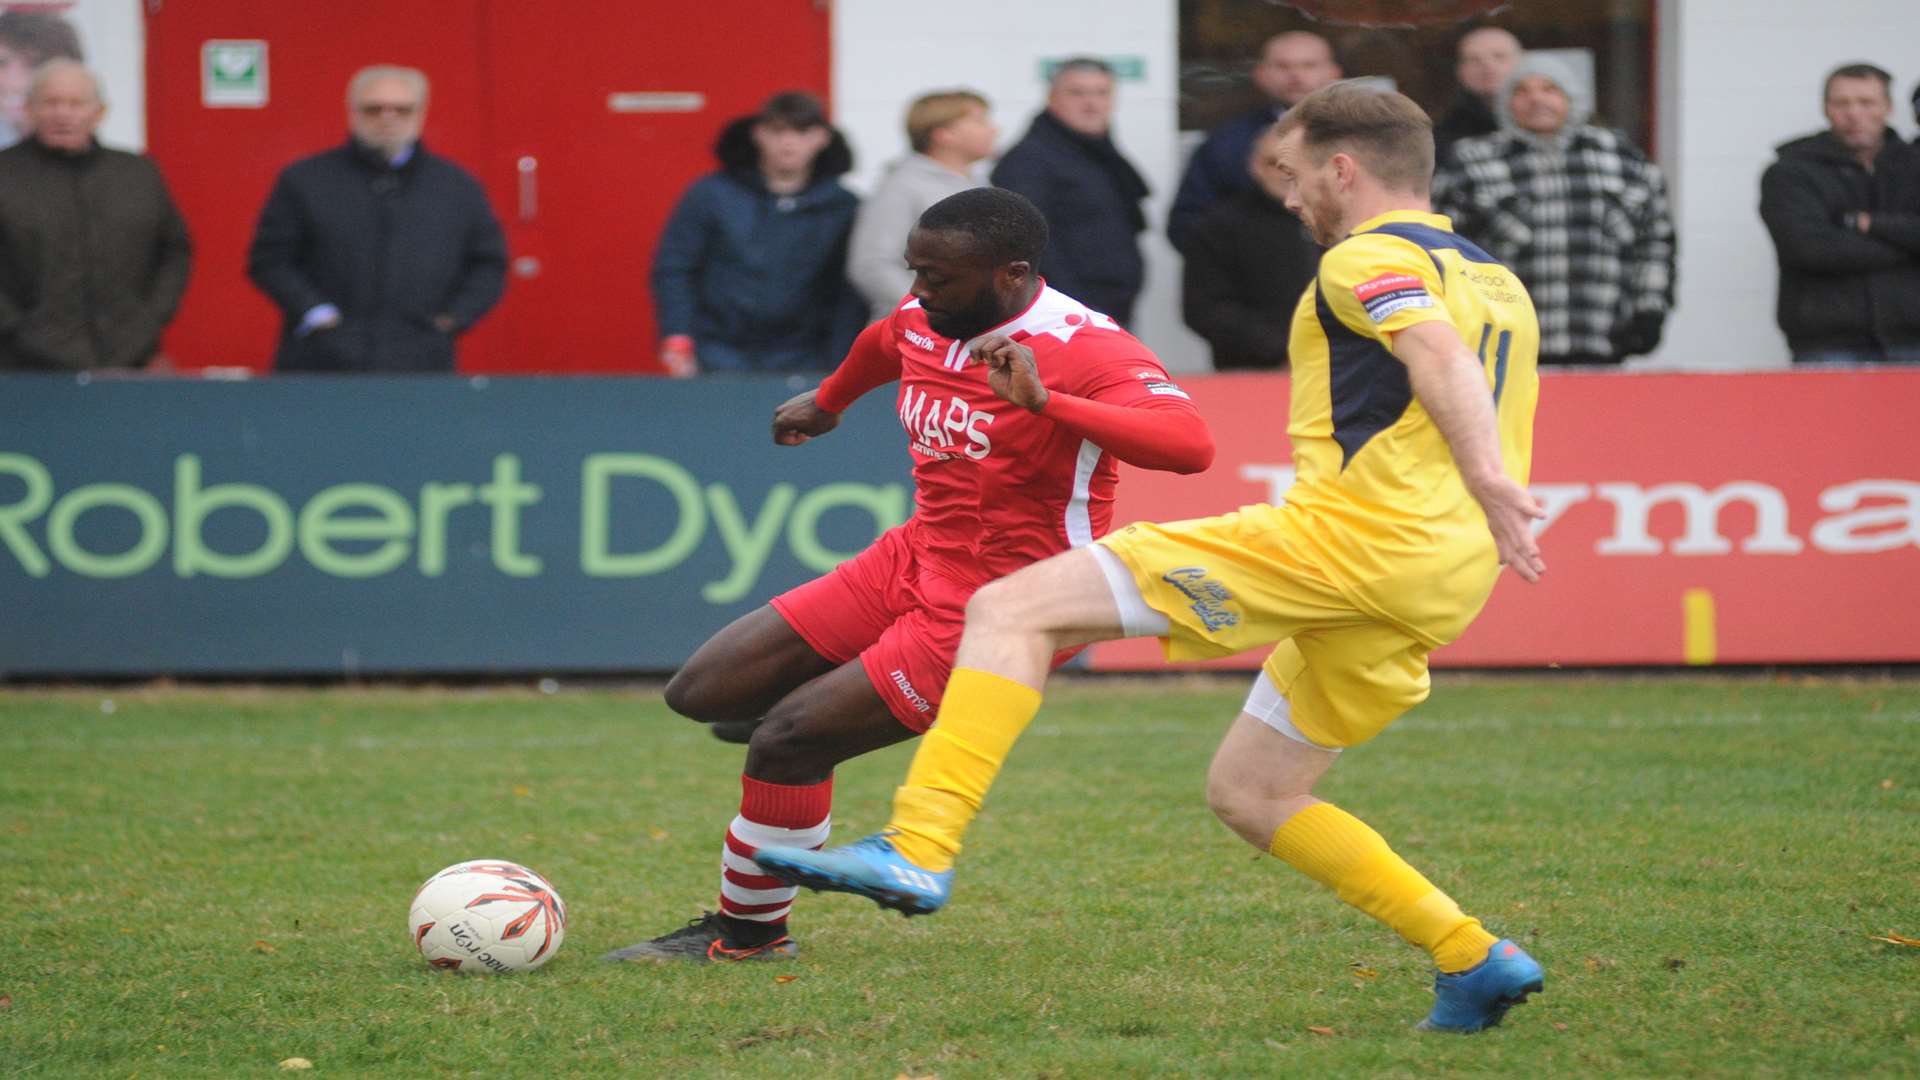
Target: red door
523, 97
602, 112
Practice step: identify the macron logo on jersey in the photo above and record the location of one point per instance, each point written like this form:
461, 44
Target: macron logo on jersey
1388, 293
920, 339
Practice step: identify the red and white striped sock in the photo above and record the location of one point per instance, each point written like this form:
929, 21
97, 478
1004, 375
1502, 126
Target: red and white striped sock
771, 815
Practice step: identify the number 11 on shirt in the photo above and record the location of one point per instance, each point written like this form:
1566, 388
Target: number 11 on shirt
1500, 348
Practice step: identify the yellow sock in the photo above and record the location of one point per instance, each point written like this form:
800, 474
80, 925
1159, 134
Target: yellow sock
981, 714
1341, 852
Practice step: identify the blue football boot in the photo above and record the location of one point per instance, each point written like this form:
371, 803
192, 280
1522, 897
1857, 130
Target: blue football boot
1477, 998
868, 867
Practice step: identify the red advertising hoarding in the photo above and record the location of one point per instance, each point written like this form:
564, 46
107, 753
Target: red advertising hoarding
1730, 519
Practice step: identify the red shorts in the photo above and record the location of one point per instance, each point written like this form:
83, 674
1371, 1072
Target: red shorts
900, 618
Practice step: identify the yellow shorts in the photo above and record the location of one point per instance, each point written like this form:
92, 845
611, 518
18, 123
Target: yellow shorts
1238, 581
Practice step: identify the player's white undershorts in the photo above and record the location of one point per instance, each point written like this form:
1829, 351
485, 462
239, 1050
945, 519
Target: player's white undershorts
1266, 704
1136, 618
1264, 701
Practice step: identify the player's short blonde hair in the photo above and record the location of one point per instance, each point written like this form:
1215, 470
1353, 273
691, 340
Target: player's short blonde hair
929, 112
1384, 131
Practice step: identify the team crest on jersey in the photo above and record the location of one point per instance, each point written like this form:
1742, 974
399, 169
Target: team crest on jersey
1209, 598
1388, 293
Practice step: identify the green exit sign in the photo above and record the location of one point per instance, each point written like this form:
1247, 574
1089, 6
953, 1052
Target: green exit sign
1125, 68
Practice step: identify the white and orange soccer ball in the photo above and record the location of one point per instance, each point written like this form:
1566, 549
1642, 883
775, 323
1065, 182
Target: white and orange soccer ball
489, 916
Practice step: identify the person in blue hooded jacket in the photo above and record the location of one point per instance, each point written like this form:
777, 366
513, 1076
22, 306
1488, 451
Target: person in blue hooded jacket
750, 274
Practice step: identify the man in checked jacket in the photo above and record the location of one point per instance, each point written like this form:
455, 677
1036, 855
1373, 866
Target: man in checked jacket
1575, 209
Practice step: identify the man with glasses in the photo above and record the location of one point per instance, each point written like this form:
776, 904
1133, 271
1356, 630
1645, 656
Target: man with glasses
378, 253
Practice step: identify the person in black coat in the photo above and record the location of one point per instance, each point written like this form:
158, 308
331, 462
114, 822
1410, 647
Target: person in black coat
1483, 62
1069, 167
94, 256
1248, 261
1843, 207
378, 253
1292, 65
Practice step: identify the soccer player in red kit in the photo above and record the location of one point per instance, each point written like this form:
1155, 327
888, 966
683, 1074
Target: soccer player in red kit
1017, 401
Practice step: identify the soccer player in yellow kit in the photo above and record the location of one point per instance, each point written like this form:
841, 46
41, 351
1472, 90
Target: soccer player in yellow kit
1414, 385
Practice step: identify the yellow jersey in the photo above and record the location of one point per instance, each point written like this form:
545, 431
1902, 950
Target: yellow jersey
1377, 497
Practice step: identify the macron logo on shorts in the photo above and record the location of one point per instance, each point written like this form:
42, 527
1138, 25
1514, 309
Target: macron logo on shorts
919, 703
1388, 293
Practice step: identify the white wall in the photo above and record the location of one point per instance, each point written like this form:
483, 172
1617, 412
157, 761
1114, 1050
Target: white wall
887, 52
1739, 77
115, 41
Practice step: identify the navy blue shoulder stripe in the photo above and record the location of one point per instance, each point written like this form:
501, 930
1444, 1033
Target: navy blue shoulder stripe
1431, 239
1368, 388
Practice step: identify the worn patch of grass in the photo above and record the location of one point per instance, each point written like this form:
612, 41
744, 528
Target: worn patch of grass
205, 883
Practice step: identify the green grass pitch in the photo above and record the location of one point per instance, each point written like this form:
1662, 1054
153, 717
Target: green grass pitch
205, 883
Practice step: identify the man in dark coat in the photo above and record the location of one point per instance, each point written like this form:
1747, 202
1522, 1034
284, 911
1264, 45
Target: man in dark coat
378, 253
93, 254
1068, 165
1483, 62
1843, 206
1292, 65
750, 274
1248, 261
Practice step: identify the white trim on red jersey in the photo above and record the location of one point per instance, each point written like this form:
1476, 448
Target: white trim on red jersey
1079, 523
1052, 312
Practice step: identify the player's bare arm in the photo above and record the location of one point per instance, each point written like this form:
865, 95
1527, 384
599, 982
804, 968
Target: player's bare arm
1452, 387
798, 419
1011, 371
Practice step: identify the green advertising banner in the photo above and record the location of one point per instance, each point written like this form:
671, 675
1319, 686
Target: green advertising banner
381, 525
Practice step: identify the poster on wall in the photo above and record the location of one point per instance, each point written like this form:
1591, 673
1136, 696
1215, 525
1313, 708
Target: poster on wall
30, 35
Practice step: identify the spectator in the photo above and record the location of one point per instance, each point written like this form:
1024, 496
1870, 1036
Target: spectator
1069, 166
1292, 65
27, 40
750, 274
1843, 206
1575, 209
1483, 63
950, 134
1248, 261
378, 253
93, 254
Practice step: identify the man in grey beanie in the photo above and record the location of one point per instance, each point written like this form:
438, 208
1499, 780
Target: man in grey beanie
1576, 209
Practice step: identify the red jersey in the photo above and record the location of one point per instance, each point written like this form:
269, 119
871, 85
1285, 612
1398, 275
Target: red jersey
996, 485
